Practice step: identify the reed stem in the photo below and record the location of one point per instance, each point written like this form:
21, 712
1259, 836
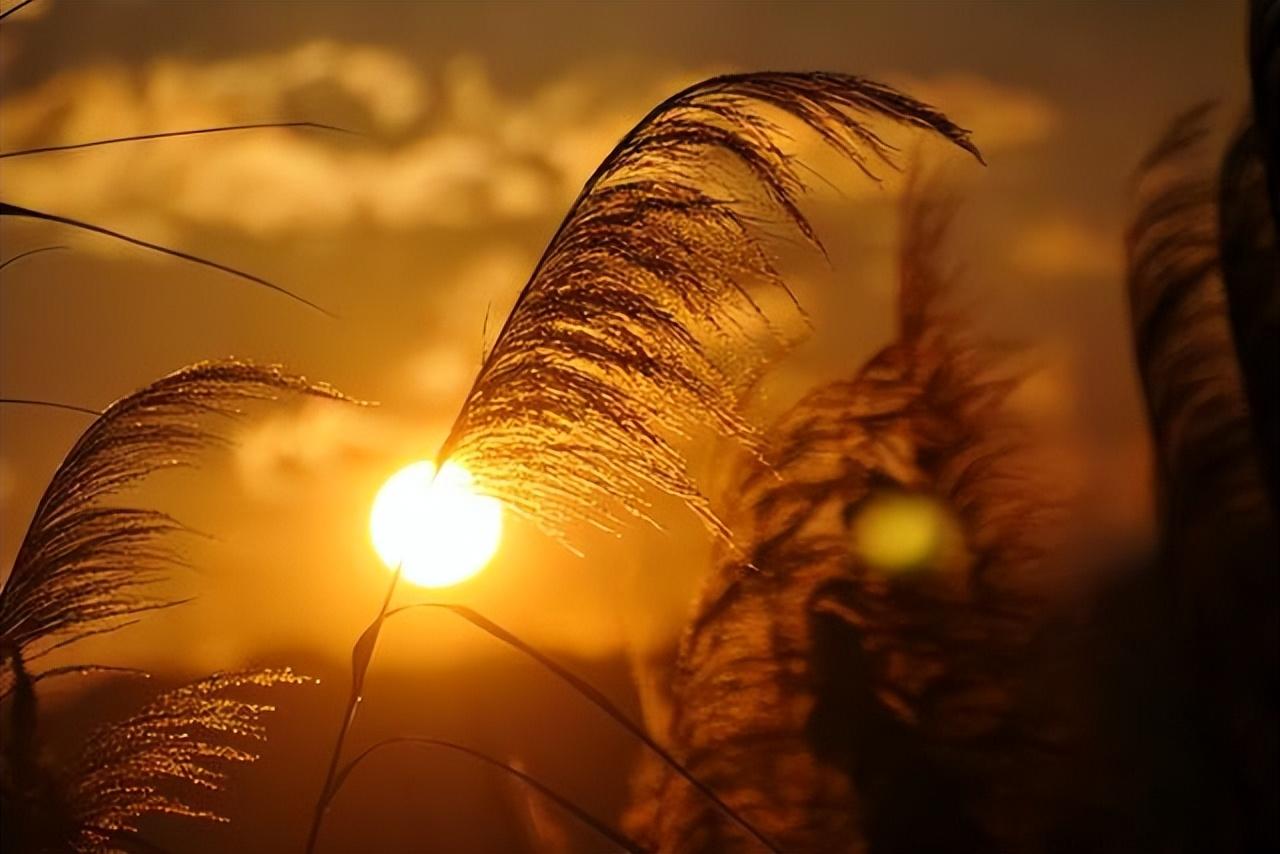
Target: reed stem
361, 656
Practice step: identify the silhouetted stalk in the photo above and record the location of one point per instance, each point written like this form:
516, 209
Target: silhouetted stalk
7, 209
28, 254
599, 700
17, 210
614, 836
143, 137
10, 11
51, 404
77, 670
361, 656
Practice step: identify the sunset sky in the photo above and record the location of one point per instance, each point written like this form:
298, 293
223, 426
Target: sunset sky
475, 125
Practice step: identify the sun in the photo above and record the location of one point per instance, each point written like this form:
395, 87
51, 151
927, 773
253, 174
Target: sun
440, 530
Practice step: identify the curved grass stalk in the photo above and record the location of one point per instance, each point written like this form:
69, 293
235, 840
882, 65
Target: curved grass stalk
616, 837
7, 209
361, 657
142, 137
599, 700
6, 13
29, 253
50, 404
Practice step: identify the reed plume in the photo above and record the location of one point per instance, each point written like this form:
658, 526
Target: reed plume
841, 707
184, 739
837, 704
83, 569
644, 318
531, 783
84, 564
1217, 561
1183, 341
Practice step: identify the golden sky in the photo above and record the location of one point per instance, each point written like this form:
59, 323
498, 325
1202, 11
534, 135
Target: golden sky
475, 125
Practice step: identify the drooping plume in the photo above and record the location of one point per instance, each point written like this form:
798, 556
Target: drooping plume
1202, 350
154, 763
846, 700
84, 562
644, 318
1199, 410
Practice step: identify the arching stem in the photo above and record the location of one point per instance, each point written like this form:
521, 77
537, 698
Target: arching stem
602, 702
361, 656
623, 841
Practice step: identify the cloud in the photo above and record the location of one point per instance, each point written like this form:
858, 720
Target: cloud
1001, 117
420, 384
277, 454
320, 441
1061, 246
442, 148
439, 370
449, 151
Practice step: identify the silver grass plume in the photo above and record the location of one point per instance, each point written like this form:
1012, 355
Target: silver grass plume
1182, 335
842, 706
642, 320
83, 564
153, 763
1217, 559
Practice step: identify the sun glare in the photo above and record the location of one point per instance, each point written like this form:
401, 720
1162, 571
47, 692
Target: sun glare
442, 531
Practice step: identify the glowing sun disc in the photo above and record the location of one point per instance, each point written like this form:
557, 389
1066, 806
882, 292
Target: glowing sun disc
440, 531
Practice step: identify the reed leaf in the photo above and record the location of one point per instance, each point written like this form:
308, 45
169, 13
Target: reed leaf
28, 253
597, 698
145, 137
7, 209
18, 211
614, 836
644, 319
83, 564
